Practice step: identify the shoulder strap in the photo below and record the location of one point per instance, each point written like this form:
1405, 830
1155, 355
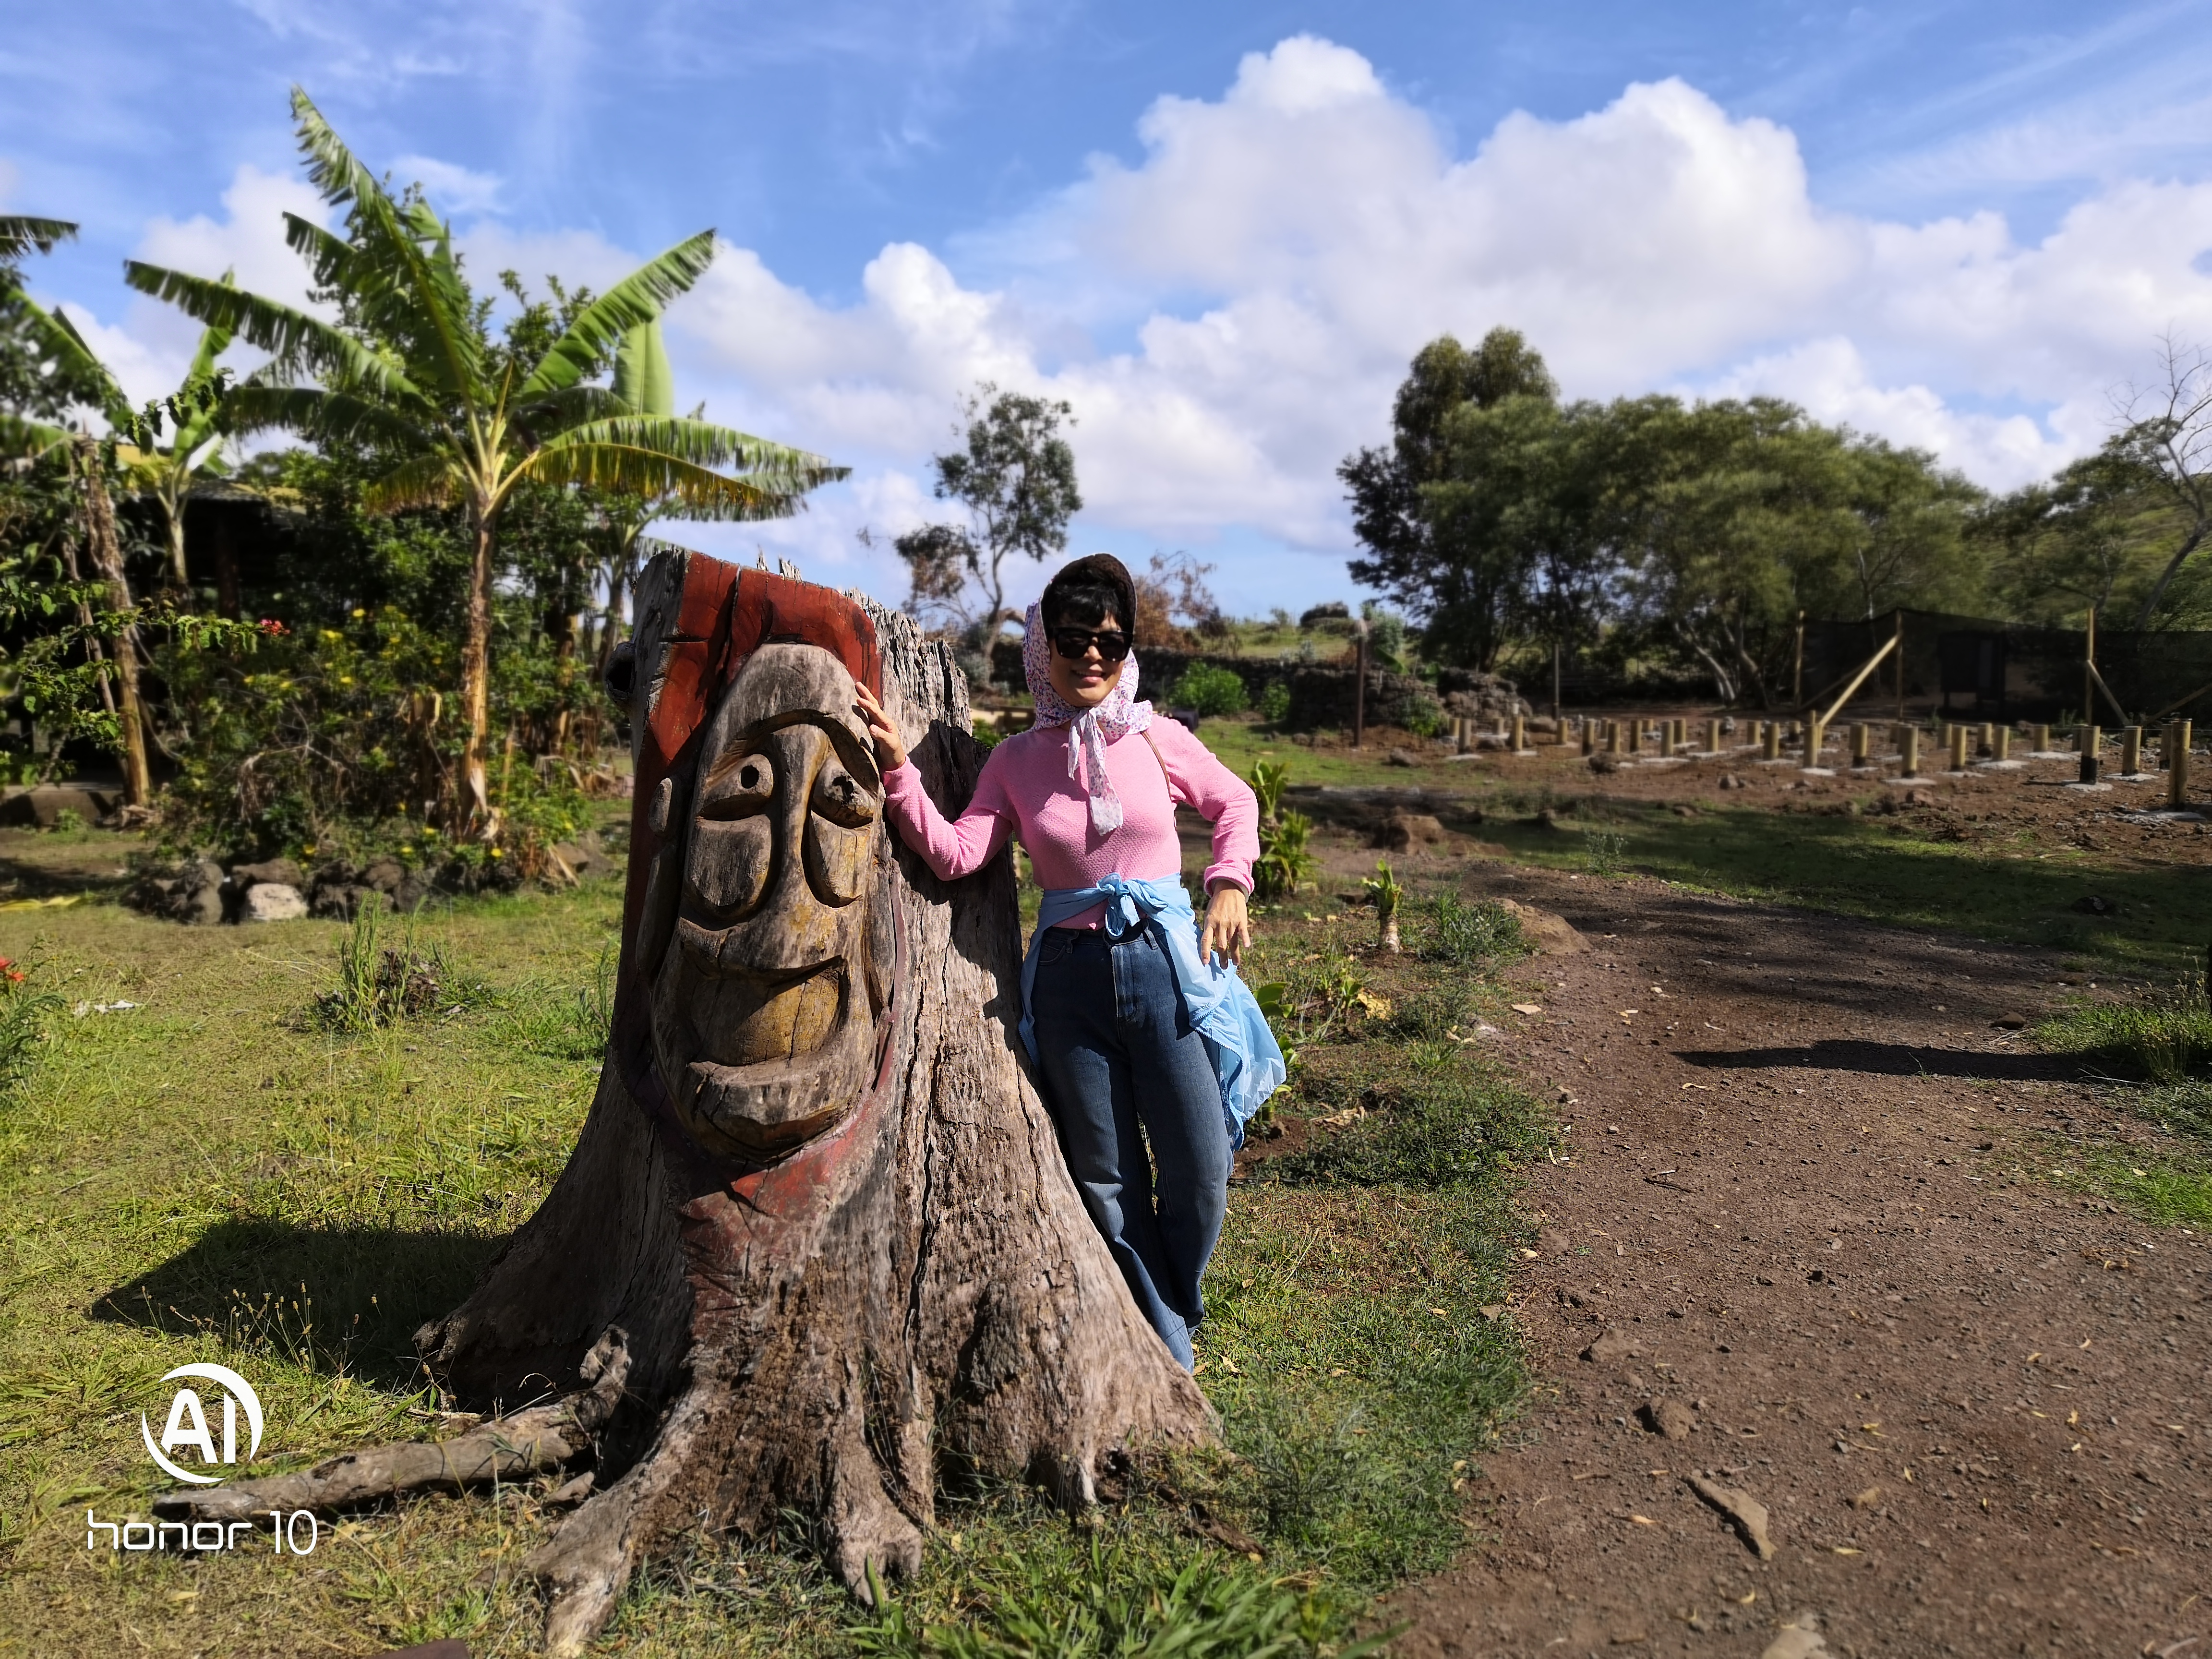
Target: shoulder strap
1166, 776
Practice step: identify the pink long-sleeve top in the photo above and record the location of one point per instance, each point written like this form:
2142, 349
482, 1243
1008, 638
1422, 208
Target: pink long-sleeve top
1025, 792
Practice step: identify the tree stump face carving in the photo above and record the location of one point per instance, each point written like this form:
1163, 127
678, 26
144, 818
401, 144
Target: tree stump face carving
768, 992
816, 1240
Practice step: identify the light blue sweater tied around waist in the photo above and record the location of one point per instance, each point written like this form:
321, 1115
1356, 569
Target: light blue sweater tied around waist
1246, 1057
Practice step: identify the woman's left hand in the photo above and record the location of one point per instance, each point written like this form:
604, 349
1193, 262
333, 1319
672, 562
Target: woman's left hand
1228, 931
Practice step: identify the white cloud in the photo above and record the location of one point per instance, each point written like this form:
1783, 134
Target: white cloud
1231, 312
451, 188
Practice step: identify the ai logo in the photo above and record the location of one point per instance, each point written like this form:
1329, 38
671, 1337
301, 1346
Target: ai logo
188, 1422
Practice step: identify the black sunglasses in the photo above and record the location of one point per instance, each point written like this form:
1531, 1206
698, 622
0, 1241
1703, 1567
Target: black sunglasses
1072, 643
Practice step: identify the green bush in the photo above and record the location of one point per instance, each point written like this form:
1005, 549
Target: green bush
1207, 688
26, 1010
1275, 702
1467, 935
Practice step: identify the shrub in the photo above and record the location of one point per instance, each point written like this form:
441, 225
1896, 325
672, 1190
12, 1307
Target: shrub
382, 984
1286, 864
26, 1009
1468, 935
1209, 688
2165, 1038
1275, 702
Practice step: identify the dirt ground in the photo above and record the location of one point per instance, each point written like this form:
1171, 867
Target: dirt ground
1799, 1250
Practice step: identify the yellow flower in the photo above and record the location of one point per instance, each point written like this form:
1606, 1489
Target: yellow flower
358, 615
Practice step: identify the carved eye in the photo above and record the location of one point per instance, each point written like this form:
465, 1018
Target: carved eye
740, 789
839, 796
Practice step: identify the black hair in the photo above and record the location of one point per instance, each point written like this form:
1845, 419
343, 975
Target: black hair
1086, 591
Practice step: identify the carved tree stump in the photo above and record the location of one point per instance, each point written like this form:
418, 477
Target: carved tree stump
816, 1228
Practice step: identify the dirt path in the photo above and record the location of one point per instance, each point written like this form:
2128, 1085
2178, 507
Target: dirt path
1974, 1409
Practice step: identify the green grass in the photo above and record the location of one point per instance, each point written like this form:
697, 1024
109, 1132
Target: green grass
214, 1173
2165, 1037
1887, 869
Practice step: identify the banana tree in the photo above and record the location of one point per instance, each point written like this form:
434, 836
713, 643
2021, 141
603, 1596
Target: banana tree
21, 234
411, 371
91, 465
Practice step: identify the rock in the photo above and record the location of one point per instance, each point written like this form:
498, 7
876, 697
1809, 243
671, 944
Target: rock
1730, 781
2093, 905
271, 901
1668, 1416
384, 875
1400, 757
1604, 764
1403, 831
341, 901
1552, 935
44, 805
1748, 1514
583, 859
1797, 1640
2012, 1022
1612, 1343
1553, 1241
282, 872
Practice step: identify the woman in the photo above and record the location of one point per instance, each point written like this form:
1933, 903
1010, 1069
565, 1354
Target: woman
1138, 1022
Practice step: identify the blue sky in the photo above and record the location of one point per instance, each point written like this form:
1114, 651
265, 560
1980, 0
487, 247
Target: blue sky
1218, 231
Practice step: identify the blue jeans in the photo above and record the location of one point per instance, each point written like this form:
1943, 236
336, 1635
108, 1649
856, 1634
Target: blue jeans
1123, 1067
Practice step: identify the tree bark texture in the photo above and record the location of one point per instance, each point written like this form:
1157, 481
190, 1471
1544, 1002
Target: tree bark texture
475, 805
107, 559
817, 1205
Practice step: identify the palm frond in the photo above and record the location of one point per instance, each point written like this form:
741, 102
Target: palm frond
637, 299
19, 234
328, 256
410, 295
702, 443
341, 417
57, 335
563, 411
629, 470
425, 481
20, 437
295, 340
643, 380
331, 167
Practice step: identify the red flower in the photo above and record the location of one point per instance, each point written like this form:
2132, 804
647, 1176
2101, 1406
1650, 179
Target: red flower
271, 627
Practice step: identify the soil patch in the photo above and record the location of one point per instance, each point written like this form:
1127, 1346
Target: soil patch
1798, 1256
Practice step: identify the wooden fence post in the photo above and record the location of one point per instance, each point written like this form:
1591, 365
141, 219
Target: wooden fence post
2176, 765
2131, 750
1908, 748
1860, 735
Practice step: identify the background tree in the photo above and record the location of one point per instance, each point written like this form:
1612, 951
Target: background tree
412, 371
2169, 437
1015, 474
1444, 560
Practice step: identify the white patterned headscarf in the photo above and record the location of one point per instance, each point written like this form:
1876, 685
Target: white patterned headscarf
1089, 730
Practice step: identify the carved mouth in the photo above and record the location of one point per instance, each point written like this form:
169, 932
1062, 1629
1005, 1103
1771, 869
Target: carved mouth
763, 1059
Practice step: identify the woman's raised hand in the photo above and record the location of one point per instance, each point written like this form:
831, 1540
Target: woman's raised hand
890, 753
